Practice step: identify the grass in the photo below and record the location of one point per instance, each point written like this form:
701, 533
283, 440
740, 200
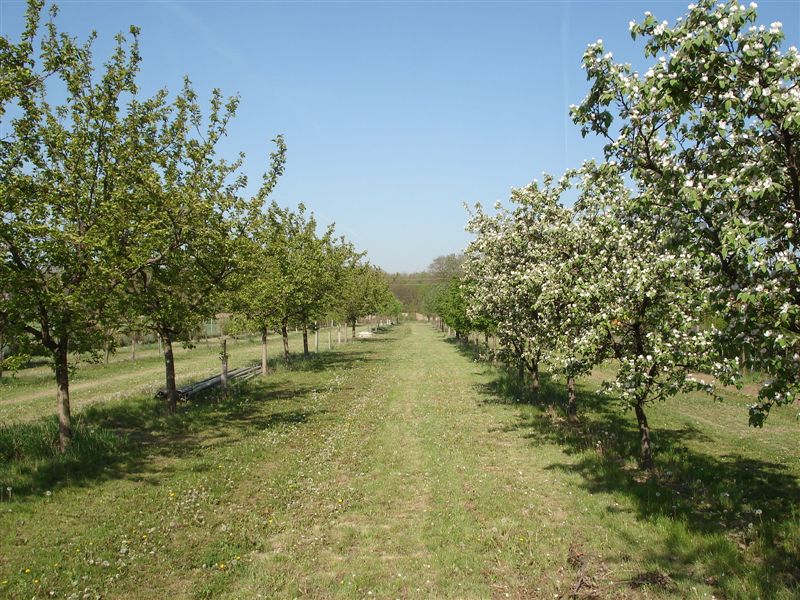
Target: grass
30, 393
399, 467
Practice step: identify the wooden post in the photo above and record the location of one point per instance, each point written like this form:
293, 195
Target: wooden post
224, 359
264, 357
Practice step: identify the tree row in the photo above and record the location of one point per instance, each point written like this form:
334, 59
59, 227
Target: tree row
677, 256
119, 213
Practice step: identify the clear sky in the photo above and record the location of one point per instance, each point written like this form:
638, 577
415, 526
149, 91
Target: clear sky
395, 113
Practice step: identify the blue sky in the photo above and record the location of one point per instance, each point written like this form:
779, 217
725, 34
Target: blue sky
394, 113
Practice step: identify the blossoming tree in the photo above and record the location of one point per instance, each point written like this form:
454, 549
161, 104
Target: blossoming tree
710, 134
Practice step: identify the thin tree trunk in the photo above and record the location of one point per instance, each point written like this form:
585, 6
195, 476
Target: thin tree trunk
264, 351
305, 340
535, 383
354, 329
133, 346
107, 350
339, 334
224, 358
330, 337
644, 434
285, 334
316, 340
572, 401
62, 382
169, 364
2, 355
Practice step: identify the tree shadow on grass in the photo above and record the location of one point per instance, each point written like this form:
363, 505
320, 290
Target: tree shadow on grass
722, 515
120, 439
325, 360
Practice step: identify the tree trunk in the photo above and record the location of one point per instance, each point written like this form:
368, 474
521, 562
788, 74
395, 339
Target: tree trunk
339, 334
305, 339
133, 346
62, 396
644, 434
264, 351
354, 330
535, 383
521, 371
486, 339
107, 350
316, 339
2, 355
572, 401
223, 380
169, 364
285, 334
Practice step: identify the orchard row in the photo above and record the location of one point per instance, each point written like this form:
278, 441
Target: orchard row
120, 215
676, 256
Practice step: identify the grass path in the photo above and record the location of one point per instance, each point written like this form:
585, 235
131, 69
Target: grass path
390, 468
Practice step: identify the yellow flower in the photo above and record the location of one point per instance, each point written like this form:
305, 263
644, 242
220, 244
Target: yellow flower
221, 566
27, 570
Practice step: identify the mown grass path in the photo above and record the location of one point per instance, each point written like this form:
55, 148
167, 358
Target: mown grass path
390, 468
427, 495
